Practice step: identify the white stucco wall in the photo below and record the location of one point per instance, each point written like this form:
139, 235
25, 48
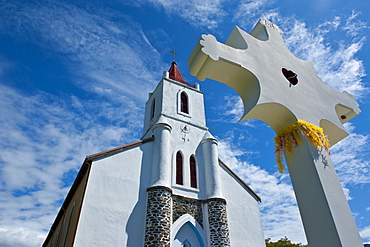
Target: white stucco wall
243, 213
113, 212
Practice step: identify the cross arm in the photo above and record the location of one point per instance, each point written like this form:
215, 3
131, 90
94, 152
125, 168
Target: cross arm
276, 87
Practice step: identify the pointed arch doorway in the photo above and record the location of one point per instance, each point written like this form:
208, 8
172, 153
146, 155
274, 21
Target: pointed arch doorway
187, 232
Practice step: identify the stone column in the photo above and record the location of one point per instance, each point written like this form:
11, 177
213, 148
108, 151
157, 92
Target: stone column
158, 217
161, 162
325, 213
217, 220
211, 166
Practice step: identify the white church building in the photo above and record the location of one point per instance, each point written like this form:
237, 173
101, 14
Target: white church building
168, 189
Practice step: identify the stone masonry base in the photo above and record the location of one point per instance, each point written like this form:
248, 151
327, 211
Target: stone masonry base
162, 206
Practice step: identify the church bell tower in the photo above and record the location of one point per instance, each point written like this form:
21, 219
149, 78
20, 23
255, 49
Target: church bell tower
184, 155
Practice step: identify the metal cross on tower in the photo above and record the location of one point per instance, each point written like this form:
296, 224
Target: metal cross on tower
174, 55
278, 88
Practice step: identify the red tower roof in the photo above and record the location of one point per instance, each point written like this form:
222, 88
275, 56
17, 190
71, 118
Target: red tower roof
174, 73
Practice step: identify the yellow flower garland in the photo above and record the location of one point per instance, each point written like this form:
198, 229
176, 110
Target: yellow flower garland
288, 137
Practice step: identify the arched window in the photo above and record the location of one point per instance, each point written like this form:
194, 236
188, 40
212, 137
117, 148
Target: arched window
153, 109
184, 103
193, 172
179, 176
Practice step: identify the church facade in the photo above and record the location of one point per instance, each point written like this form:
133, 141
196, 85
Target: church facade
168, 189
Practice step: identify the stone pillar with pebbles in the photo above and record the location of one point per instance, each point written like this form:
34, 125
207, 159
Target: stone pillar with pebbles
217, 220
158, 217
217, 214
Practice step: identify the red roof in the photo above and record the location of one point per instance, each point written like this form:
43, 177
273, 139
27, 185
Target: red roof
175, 74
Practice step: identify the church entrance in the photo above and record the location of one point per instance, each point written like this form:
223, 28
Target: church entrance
187, 232
188, 236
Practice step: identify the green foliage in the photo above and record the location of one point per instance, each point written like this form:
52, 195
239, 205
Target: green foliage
282, 242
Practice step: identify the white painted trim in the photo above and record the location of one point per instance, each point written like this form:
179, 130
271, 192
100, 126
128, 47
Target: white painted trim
185, 188
183, 121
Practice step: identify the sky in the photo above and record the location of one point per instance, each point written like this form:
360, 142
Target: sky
75, 76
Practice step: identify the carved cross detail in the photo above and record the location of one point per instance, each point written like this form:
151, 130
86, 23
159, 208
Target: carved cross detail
275, 86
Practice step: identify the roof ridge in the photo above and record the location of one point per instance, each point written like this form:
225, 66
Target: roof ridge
118, 149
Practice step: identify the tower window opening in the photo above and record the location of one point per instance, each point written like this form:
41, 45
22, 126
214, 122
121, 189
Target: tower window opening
184, 103
153, 109
193, 172
179, 165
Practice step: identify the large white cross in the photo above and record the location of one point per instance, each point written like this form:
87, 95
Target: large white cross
278, 88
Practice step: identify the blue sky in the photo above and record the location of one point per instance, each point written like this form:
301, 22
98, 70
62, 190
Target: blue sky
74, 78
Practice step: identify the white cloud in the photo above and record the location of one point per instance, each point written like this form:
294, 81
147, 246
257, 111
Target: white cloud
232, 108
199, 13
365, 233
335, 63
248, 12
99, 51
279, 211
351, 158
330, 25
354, 26
20, 237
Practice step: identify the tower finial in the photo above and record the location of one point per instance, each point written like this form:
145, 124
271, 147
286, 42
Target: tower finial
174, 55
